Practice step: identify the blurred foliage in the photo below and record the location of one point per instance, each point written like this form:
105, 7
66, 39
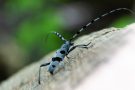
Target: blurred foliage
32, 30
23, 5
123, 21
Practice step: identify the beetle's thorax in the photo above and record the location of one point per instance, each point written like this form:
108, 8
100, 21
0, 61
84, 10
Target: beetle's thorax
63, 51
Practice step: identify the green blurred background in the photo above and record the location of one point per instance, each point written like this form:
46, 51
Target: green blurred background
24, 25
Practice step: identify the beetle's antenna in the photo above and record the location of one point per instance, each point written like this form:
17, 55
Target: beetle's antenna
98, 18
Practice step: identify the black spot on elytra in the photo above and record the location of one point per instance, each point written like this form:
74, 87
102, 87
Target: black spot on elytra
62, 52
53, 66
57, 59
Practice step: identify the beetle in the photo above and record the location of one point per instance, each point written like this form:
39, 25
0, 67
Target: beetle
69, 46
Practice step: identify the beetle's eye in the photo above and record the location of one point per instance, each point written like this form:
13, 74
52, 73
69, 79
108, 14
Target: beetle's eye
71, 43
53, 66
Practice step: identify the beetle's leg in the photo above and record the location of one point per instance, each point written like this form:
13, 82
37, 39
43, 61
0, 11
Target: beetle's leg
42, 65
79, 46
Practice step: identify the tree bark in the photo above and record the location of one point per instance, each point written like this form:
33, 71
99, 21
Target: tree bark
82, 63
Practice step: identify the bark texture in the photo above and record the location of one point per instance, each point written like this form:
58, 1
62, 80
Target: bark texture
71, 72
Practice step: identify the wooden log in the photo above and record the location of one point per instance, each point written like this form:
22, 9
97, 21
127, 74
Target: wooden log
82, 62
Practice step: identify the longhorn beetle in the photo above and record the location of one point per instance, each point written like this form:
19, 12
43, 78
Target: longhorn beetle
69, 46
